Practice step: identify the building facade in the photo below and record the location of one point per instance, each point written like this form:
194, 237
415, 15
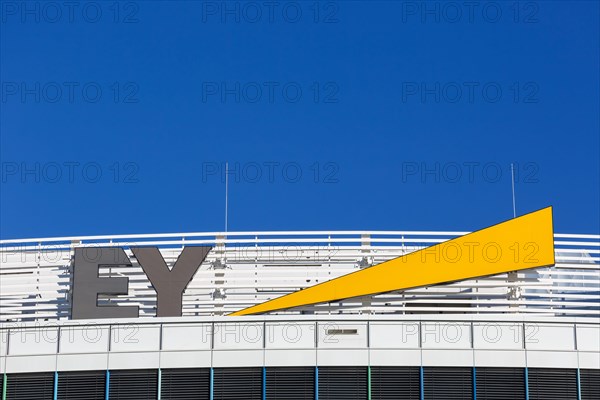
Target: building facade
532, 334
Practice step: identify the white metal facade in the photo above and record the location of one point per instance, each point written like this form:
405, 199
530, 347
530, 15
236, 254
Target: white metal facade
248, 268
302, 341
547, 317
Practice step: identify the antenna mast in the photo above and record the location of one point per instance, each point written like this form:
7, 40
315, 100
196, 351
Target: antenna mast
512, 173
226, 192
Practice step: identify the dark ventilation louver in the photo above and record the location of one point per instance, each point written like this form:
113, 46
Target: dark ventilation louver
133, 384
397, 383
294, 383
500, 383
185, 384
342, 383
82, 385
552, 384
37, 386
590, 384
448, 383
237, 383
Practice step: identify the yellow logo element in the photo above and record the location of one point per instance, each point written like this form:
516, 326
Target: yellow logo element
521, 243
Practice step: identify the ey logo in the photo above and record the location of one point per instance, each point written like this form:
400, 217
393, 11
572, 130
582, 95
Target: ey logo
520, 243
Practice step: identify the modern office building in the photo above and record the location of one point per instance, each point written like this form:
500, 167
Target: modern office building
530, 334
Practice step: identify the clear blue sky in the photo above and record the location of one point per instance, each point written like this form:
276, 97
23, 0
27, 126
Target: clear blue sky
397, 117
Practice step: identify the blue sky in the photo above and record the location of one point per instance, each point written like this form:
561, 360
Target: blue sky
392, 115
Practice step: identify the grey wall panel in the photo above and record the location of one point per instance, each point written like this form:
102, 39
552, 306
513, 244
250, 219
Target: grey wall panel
133, 385
82, 385
293, 383
342, 383
552, 384
590, 384
185, 383
443, 383
36, 386
237, 383
395, 383
500, 383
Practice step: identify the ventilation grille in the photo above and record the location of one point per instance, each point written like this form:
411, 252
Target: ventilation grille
398, 383
237, 384
84, 385
590, 384
401, 383
290, 383
38, 386
500, 383
133, 385
342, 383
182, 384
448, 383
552, 384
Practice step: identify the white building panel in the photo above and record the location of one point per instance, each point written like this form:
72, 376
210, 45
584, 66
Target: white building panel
185, 359
82, 362
30, 364
447, 358
141, 360
340, 335
589, 359
552, 359
186, 337
500, 358
3, 343
588, 337
34, 341
327, 357
290, 358
445, 335
498, 335
135, 338
238, 358
550, 337
394, 335
390, 357
290, 335
238, 335
87, 339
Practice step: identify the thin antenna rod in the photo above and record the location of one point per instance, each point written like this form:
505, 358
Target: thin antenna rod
512, 173
226, 192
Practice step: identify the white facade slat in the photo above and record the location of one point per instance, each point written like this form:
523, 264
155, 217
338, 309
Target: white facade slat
35, 275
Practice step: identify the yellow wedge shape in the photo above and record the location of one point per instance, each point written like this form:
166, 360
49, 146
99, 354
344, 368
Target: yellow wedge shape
520, 243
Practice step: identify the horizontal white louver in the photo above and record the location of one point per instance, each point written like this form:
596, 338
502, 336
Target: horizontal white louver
249, 268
